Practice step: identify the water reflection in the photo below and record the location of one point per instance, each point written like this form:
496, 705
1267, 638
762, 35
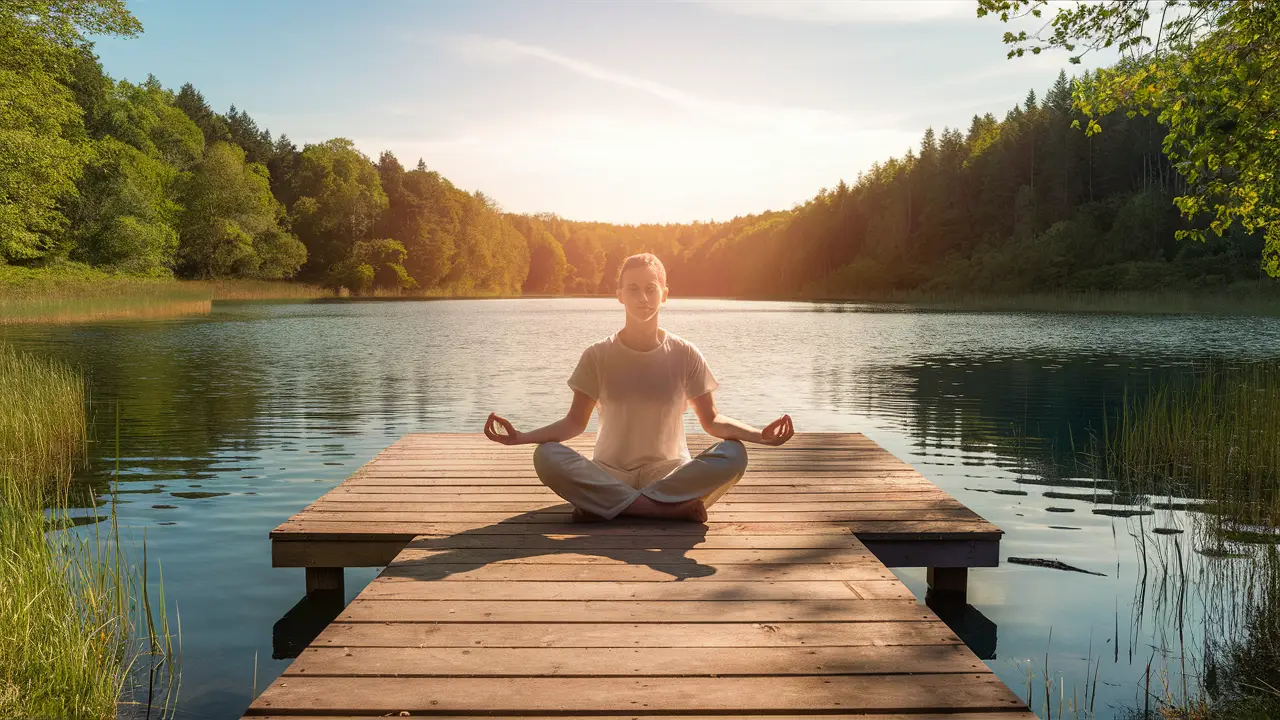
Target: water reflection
976, 630
273, 404
304, 622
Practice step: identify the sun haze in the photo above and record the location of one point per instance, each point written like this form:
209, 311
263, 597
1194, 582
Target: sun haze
616, 112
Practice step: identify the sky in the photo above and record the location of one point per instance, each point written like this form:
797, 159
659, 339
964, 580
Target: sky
623, 112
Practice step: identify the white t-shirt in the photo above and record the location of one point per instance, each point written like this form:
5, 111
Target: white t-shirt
642, 398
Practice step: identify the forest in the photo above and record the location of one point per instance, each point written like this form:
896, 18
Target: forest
140, 179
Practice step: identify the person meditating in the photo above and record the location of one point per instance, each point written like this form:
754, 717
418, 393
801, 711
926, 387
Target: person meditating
643, 377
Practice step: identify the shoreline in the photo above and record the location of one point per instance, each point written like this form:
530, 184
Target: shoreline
84, 295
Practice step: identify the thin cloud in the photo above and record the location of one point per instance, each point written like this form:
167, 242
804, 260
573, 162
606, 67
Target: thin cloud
788, 120
847, 12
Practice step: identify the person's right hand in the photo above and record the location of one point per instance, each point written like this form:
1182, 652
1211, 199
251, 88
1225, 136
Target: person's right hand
496, 422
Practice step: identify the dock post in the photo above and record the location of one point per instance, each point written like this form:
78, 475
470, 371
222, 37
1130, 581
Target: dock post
324, 578
949, 582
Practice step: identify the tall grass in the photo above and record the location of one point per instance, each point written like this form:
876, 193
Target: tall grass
75, 616
42, 421
1214, 435
259, 289
1216, 438
76, 293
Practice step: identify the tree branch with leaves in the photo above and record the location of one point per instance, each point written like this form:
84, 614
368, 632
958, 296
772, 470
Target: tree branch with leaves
1209, 69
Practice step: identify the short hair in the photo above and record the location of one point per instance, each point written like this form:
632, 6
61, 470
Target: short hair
641, 260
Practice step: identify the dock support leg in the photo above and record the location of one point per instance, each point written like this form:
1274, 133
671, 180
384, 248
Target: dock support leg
951, 583
324, 578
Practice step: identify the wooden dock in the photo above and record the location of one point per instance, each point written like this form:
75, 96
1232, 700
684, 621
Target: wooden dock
492, 604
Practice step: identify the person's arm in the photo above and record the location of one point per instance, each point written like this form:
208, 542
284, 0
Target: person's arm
727, 428
569, 426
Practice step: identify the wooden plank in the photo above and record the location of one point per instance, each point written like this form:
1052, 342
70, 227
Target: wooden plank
517, 696
1011, 715
405, 505
649, 662
558, 515
757, 466
635, 611
492, 603
585, 539
960, 529
920, 552
995, 715
616, 635
655, 571
433, 493
392, 588
632, 556
507, 476
342, 553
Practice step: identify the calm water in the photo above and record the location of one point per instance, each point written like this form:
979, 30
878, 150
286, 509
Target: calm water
269, 405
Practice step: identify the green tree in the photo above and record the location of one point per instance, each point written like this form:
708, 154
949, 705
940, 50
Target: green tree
547, 264
373, 264
1212, 76
125, 216
192, 102
230, 223
339, 198
42, 137
127, 210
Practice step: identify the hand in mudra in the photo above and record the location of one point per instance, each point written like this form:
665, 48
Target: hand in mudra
495, 423
778, 431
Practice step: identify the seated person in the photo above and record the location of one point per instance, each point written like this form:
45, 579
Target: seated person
643, 377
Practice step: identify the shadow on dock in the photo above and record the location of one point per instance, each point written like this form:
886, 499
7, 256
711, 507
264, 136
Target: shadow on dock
625, 541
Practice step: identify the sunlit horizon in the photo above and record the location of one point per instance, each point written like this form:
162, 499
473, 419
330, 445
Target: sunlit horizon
621, 113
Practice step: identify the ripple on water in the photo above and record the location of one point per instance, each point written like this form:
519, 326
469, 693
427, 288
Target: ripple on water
985, 400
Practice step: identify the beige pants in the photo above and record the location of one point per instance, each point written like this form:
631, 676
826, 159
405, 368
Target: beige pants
606, 491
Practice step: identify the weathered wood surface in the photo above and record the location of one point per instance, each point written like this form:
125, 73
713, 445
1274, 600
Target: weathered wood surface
463, 484
493, 604
597, 623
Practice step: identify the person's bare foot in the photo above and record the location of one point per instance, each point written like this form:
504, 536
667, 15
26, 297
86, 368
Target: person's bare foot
690, 510
580, 515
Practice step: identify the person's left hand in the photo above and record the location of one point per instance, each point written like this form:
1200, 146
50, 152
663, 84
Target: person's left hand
778, 431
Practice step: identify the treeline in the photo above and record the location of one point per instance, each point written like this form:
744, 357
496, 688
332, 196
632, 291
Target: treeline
141, 179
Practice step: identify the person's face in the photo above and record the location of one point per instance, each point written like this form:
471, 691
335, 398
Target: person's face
642, 293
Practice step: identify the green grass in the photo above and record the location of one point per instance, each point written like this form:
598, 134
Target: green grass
71, 292
259, 289
76, 620
42, 421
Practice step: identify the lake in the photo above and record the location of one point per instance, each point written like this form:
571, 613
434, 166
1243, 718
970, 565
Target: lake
231, 422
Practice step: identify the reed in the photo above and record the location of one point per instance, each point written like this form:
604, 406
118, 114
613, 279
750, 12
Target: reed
259, 290
76, 621
42, 421
1216, 438
71, 293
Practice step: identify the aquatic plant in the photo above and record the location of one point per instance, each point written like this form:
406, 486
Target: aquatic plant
42, 421
74, 293
1216, 437
76, 619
